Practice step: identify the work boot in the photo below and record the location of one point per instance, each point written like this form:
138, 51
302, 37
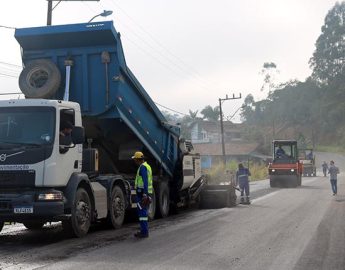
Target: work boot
141, 235
242, 199
248, 200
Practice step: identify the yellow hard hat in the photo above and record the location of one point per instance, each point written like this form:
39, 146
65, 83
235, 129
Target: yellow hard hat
138, 155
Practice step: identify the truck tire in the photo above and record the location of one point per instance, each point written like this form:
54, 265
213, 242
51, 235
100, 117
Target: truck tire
151, 212
40, 79
1, 225
163, 199
80, 221
33, 225
117, 208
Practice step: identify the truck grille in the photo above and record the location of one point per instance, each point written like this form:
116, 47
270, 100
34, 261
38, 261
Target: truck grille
282, 172
5, 206
23, 179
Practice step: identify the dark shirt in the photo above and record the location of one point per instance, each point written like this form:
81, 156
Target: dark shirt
65, 139
333, 171
280, 153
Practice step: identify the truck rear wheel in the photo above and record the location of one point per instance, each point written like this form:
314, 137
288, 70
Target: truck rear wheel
40, 79
1, 225
80, 221
163, 199
152, 208
117, 208
33, 225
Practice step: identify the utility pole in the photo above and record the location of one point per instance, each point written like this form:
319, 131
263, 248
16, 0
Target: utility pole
221, 100
51, 8
50, 12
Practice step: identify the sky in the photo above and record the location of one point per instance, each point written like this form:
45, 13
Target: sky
187, 53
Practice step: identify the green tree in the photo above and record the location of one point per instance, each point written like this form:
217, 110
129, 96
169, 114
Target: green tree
328, 60
247, 113
193, 115
209, 113
269, 71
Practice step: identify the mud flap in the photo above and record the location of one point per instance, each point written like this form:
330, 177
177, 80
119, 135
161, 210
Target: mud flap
217, 196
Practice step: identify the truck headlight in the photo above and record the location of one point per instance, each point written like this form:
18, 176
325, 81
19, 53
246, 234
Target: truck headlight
292, 170
273, 170
50, 196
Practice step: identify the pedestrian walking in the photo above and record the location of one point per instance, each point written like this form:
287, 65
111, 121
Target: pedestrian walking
242, 180
144, 189
333, 172
324, 168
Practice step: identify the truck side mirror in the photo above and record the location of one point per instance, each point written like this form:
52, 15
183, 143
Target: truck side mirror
78, 135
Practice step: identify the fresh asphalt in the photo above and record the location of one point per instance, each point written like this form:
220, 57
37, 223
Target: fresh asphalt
296, 228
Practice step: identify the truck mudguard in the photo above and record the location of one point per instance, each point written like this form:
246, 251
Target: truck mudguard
72, 186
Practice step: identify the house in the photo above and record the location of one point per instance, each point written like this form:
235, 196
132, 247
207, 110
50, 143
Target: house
206, 139
211, 153
209, 131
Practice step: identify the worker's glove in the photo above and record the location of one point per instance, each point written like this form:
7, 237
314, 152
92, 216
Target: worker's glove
146, 200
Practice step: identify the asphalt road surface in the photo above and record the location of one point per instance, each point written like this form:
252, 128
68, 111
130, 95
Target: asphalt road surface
302, 228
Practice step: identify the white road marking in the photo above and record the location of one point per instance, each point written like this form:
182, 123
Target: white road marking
265, 197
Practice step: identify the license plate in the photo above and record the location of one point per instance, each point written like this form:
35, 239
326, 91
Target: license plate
23, 210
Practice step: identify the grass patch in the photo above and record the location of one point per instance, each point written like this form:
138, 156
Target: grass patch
331, 148
220, 173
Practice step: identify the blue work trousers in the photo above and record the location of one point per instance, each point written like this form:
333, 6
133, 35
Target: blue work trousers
334, 185
143, 217
244, 187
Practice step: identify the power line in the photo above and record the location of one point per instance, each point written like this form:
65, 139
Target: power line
153, 56
4, 94
10, 64
170, 109
180, 74
8, 75
88, 6
7, 27
182, 65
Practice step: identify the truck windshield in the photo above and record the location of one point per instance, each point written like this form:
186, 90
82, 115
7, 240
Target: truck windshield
31, 126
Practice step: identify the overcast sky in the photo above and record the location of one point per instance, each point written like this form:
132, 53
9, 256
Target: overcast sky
188, 53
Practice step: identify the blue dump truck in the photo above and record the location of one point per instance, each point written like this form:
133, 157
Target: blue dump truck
77, 74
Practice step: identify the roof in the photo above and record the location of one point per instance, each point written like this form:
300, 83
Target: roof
214, 126
215, 149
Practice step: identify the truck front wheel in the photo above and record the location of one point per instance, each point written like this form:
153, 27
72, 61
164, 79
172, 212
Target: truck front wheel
80, 221
33, 225
116, 208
